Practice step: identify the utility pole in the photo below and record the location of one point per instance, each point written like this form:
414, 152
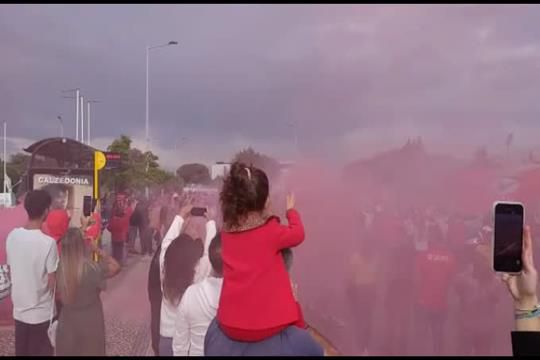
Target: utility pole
82, 119
77, 110
5, 157
59, 117
88, 118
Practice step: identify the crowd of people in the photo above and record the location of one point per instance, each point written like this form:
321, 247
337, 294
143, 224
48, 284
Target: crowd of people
219, 282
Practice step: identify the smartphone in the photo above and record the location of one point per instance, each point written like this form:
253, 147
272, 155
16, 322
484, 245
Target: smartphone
87, 205
198, 211
508, 237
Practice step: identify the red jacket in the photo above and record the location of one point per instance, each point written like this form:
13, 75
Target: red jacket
256, 291
119, 226
434, 272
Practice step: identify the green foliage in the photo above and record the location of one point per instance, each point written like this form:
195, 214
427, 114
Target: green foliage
250, 157
15, 168
194, 174
140, 169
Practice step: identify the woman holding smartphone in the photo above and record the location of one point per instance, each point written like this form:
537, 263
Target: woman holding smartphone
522, 287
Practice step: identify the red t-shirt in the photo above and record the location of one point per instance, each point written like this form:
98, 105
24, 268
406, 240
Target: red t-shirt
434, 270
257, 293
119, 226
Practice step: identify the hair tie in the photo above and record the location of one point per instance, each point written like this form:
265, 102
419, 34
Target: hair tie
248, 172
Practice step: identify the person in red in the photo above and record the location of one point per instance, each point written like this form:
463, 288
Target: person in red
93, 230
56, 226
257, 299
119, 226
435, 270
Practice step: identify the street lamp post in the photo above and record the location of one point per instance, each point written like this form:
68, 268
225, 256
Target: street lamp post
88, 118
77, 111
59, 117
147, 123
5, 157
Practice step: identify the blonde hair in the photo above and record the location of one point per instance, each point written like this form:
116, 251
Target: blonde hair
72, 262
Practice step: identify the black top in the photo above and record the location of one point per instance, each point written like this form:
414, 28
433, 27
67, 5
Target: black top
140, 216
526, 343
154, 279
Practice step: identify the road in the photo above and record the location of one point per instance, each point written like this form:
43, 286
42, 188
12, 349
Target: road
127, 313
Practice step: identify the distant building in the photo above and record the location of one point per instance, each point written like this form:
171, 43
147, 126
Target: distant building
219, 169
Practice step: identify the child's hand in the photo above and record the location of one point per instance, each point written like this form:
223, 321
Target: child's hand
291, 201
185, 211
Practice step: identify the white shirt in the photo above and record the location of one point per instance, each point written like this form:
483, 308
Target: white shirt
31, 256
194, 314
168, 311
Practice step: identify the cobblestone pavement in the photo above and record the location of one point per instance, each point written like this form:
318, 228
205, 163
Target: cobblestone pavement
127, 314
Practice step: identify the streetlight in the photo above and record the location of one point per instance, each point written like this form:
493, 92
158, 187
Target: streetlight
88, 117
147, 124
59, 117
147, 127
77, 94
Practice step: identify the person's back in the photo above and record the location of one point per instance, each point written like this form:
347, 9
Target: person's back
33, 259
257, 300
29, 259
198, 307
81, 324
434, 271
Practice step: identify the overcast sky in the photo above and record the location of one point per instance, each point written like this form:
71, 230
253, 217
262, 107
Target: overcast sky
352, 78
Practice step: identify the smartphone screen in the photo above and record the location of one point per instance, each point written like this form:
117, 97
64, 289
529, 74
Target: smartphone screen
508, 237
87, 205
198, 211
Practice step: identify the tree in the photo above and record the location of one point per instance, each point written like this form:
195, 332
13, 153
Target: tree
15, 168
121, 145
140, 169
194, 174
266, 163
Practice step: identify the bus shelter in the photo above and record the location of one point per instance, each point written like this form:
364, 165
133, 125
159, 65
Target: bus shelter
64, 168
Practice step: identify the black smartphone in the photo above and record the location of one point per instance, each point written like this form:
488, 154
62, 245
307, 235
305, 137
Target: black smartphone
508, 237
198, 211
88, 203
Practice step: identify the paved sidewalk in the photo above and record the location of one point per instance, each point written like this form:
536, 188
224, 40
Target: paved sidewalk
127, 313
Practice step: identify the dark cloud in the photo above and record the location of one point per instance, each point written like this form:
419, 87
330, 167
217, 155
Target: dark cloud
249, 71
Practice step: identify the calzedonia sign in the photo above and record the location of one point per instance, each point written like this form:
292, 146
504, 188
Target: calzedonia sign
66, 180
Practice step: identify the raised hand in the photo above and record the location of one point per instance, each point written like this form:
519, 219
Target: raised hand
185, 210
522, 287
291, 201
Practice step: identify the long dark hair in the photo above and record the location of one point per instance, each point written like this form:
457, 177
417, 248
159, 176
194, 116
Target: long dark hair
181, 258
244, 190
